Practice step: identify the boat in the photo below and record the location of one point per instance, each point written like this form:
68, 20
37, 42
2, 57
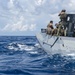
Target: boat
53, 44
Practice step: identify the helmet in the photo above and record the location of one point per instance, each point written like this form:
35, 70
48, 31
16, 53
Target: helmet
63, 10
51, 21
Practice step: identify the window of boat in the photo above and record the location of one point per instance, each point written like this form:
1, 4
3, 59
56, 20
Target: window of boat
68, 19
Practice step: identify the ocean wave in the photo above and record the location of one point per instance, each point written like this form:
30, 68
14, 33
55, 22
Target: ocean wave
21, 56
32, 49
2, 42
19, 46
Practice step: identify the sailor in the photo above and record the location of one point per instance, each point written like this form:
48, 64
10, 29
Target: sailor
50, 28
56, 29
63, 15
60, 30
63, 19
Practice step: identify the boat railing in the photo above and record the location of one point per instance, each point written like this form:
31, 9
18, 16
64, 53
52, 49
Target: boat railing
43, 30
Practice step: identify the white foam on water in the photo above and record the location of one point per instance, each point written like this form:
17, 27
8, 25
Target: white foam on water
12, 48
25, 47
71, 54
33, 52
20, 47
37, 45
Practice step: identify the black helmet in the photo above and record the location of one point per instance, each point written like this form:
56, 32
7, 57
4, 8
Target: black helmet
51, 21
63, 10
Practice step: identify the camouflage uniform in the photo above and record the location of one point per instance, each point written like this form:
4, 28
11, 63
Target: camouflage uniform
56, 29
59, 29
63, 21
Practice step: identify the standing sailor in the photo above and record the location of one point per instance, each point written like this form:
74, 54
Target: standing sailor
63, 18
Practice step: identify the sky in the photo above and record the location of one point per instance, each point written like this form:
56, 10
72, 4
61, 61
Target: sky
27, 17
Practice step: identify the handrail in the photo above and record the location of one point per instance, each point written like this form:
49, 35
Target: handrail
53, 43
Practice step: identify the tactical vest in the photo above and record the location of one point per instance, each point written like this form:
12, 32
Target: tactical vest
63, 17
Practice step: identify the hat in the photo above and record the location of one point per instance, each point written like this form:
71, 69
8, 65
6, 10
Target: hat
63, 10
51, 21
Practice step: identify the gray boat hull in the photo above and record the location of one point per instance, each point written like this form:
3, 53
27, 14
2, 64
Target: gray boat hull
56, 44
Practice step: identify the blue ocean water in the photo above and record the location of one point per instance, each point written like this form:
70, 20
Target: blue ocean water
22, 55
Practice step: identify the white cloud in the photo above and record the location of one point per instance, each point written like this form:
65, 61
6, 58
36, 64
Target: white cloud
19, 26
11, 4
39, 2
14, 7
32, 27
24, 28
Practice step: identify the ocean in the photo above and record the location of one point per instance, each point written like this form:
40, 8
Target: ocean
22, 55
